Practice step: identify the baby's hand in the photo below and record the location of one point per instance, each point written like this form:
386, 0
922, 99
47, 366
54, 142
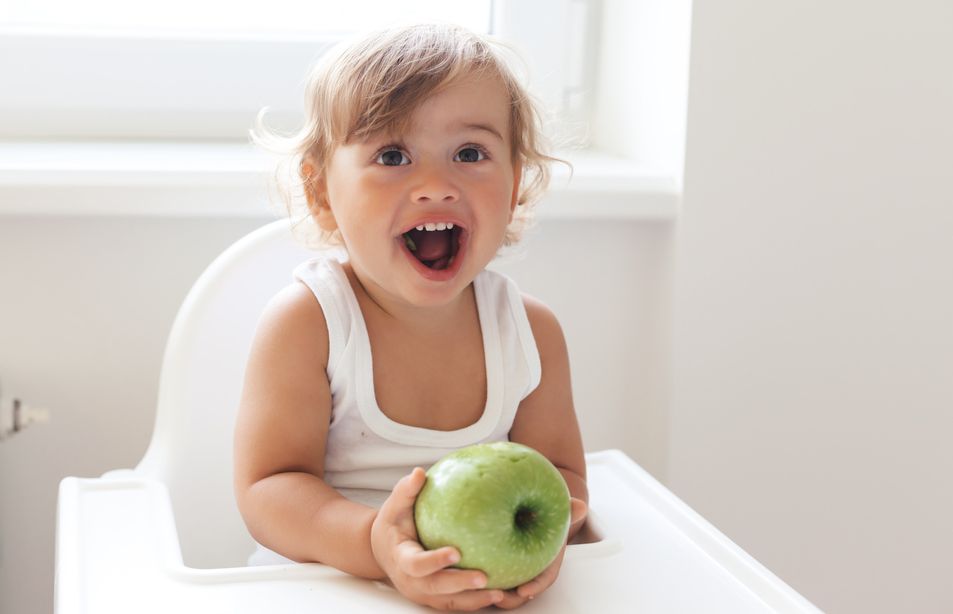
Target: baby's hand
420, 575
522, 594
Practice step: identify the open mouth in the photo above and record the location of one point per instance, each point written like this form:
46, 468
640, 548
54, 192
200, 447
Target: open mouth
434, 245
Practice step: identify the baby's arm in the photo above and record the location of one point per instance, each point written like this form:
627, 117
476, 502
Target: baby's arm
546, 421
280, 441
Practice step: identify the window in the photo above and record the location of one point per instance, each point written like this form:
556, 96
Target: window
118, 116
183, 69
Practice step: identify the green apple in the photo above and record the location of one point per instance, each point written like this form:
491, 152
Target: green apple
503, 505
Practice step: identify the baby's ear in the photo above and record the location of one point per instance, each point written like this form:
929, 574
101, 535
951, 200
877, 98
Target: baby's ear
315, 190
321, 210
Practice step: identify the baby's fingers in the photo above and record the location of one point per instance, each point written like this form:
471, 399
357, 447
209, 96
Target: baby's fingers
416, 562
511, 600
538, 584
451, 581
578, 510
467, 601
543, 581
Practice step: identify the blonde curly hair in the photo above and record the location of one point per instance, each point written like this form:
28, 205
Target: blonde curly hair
374, 84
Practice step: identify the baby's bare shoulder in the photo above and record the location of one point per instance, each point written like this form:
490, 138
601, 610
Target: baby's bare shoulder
542, 320
293, 324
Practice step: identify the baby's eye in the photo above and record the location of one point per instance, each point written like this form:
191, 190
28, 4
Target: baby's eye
392, 157
470, 154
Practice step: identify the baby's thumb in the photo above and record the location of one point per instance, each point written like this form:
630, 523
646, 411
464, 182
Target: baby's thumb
409, 486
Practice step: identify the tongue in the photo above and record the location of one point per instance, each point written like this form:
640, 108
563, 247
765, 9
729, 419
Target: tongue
431, 245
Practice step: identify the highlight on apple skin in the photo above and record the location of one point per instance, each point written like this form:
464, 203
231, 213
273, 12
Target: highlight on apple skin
503, 505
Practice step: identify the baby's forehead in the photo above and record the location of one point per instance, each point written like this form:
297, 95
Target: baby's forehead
480, 132
482, 104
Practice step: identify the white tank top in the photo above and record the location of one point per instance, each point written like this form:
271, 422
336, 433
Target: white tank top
367, 452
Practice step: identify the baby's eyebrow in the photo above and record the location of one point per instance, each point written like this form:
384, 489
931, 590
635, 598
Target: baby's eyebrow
484, 128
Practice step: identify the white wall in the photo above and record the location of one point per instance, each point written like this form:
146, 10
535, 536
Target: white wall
814, 348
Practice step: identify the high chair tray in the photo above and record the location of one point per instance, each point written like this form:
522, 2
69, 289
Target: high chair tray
118, 552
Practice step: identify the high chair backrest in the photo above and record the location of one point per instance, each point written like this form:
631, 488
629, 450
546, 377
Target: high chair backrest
199, 389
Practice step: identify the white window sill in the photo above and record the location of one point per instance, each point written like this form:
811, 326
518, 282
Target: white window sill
206, 179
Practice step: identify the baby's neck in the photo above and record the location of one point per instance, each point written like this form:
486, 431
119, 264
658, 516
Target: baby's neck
438, 320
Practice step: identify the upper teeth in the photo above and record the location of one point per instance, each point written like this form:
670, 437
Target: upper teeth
436, 226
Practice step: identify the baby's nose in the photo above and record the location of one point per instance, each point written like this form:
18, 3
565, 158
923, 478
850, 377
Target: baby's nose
435, 187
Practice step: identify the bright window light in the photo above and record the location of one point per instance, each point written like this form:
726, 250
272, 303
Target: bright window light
203, 69
240, 16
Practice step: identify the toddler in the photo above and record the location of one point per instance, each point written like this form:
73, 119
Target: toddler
420, 158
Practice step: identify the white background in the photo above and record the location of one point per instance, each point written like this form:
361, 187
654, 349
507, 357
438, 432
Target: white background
813, 371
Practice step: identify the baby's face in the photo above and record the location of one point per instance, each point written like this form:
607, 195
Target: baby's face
453, 165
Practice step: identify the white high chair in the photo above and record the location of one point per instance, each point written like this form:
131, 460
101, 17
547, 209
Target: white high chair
167, 537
